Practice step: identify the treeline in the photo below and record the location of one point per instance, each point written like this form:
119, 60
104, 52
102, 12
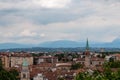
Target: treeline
112, 64
107, 74
96, 75
8, 75
77, 49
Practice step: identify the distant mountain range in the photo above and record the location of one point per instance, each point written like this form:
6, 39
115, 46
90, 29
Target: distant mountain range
72, 44
14, 45
62, 44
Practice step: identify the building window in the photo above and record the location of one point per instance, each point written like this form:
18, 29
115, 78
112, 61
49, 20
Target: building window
91, 62
24, 75
99, 63
83, 63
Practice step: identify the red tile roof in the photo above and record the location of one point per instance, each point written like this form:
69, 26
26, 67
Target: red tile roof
97, 59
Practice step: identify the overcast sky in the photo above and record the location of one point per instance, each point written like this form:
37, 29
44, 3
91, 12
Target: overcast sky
36, 21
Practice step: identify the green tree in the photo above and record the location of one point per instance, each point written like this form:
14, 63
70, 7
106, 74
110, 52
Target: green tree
76, 66
7, 75
1, 68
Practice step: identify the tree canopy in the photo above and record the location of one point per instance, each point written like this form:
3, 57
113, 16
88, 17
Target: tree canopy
7, 75
108, 74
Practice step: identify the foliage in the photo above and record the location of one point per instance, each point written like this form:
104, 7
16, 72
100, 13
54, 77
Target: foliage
1, 64
60, 78
7, 75
112, 64
76, 66
108, 74
14, 72
60, 56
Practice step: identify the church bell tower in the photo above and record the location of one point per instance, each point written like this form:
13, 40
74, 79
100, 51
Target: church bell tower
25, 74
87, 52
87, 55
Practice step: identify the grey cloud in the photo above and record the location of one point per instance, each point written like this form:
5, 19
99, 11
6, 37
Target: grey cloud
95, 19
47, 16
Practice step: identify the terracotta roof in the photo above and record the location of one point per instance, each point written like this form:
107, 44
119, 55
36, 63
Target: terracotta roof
34, 72
80, 59
21, 55
48, 57
79, 71
16, 54
50, 75
97, 59
44, 65
4, 54
117, 55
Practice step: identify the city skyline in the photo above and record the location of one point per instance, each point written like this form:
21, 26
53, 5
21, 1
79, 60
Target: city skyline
37, 21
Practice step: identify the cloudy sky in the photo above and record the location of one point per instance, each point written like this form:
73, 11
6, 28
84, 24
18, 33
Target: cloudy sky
36, 21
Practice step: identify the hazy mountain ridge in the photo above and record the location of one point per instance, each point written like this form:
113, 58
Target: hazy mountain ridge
62, 43
14, 45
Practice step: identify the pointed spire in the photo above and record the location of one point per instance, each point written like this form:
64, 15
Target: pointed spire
87, 45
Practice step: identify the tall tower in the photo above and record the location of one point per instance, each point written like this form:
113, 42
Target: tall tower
87, 52
25, 74
87, 55
87, 45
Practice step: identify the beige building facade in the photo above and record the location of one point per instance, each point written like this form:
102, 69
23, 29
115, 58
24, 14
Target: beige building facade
16, 59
